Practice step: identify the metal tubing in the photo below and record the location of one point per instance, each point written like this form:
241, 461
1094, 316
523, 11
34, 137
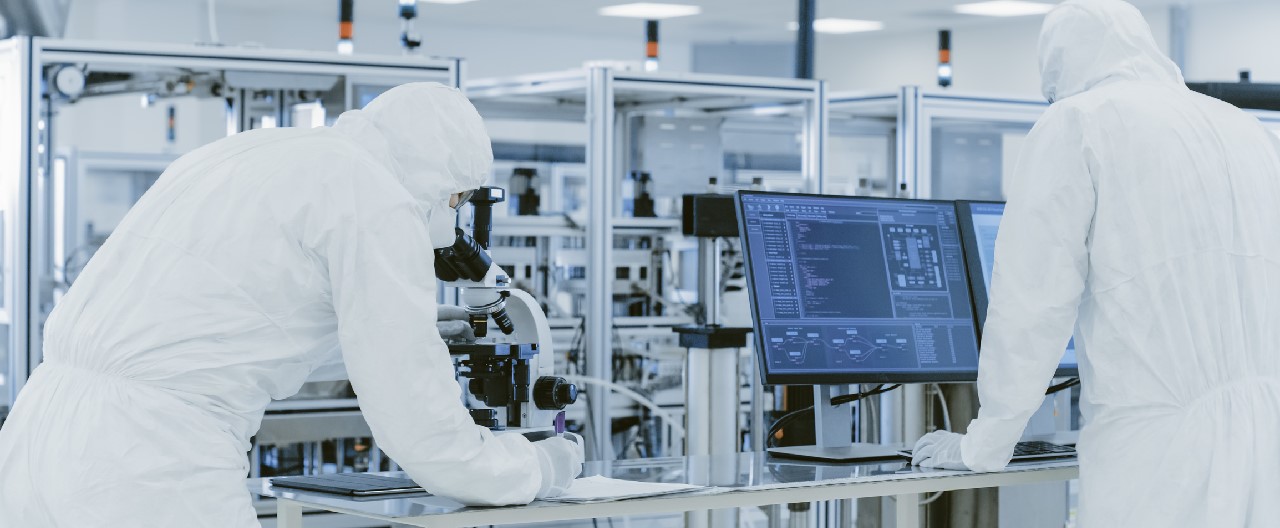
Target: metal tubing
908, 510
890, 415
725, 401
908, 146
805, 38
340, 453
913, 411
774, 513
600, 149
697, 387
288, 514
757, 412
813, 162
709, 279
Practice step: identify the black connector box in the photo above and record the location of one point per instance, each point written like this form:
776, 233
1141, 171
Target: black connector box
710, 215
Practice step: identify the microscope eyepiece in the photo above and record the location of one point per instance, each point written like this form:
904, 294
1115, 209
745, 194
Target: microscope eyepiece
465, 259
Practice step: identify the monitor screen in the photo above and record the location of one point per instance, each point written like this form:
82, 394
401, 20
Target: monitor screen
857, 290
979, 224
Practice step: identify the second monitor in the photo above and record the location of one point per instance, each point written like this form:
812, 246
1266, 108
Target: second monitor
979, 224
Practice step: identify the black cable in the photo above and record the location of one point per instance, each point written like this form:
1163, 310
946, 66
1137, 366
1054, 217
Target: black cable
1062, 386
838, 400
850, 398
785, 421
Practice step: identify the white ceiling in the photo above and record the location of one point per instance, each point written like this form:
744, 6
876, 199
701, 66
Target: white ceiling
721, 20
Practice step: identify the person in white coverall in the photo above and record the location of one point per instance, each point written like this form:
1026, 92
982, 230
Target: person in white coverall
252, 263
1148, 216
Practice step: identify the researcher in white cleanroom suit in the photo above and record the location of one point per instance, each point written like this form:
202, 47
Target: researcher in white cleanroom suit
1147, 216
253, 263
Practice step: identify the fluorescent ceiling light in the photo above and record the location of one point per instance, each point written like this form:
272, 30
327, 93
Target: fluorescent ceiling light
447, 1
650, 11
840, 25
1004, 8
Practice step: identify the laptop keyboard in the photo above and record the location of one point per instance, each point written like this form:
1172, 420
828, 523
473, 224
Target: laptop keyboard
1034, 448
1037, 448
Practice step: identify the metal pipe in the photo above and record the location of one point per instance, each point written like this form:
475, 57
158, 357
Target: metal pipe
599, 328
709, 280
726, 401
757, 411
804, 39
697, 387
813, 162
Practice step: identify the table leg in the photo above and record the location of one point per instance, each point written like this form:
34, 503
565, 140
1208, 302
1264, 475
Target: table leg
288, 514
908, 514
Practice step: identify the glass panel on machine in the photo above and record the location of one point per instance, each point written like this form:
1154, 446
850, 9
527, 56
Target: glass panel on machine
972, 159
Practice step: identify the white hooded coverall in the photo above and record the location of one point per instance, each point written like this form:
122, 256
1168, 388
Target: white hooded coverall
1152, 213
251, 263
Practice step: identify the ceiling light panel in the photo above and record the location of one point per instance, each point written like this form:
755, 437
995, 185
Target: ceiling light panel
840, 26
447, 1
650, 11
1004, 8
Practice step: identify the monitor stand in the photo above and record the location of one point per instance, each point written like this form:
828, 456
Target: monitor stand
834, 426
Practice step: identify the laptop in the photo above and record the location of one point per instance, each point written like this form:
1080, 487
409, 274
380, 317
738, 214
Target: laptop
351, 484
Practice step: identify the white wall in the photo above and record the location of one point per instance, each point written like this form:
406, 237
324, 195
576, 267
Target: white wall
995, 57
1225, 38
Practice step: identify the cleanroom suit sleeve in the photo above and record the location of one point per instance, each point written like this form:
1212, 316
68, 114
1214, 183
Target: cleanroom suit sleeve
1041, 265
380, 265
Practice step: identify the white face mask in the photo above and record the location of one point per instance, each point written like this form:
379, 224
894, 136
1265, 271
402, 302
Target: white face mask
440, 225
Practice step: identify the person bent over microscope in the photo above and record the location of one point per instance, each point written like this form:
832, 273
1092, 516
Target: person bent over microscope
256, 263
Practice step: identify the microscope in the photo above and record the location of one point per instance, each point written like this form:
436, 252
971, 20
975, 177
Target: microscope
512, 372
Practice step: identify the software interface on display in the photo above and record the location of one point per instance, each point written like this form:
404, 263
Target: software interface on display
849, 290
979, 233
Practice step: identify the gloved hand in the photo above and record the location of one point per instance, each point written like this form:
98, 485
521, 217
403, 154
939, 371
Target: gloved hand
453, 322
561, 461
939, 449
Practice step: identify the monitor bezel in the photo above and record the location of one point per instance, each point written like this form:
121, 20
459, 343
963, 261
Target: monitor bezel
841, 378
973, 262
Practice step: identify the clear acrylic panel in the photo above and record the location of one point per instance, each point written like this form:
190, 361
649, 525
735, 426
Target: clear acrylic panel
971, 159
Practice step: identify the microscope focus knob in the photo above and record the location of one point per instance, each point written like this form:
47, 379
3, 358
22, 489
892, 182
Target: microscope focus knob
552, 394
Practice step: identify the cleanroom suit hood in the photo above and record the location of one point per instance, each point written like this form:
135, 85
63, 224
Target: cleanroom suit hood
254, 264
1085, 44
433, 149
1143, 215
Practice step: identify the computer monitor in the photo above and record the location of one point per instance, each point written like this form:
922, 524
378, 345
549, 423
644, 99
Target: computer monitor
979, 224
857, 290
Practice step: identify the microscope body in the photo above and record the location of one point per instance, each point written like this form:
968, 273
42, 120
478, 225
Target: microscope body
510, 369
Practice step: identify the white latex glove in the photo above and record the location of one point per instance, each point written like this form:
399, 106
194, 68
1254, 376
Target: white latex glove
453, 322
939, 449
561, 461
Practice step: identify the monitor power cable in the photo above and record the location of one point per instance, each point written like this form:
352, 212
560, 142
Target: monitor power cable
791, 417
1062, 386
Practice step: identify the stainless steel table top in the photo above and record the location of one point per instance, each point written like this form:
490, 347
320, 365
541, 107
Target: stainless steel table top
742, 473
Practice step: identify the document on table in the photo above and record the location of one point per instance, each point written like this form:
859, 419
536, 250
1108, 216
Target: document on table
605, 489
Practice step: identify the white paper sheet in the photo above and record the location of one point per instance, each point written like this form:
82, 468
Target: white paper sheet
605, 489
